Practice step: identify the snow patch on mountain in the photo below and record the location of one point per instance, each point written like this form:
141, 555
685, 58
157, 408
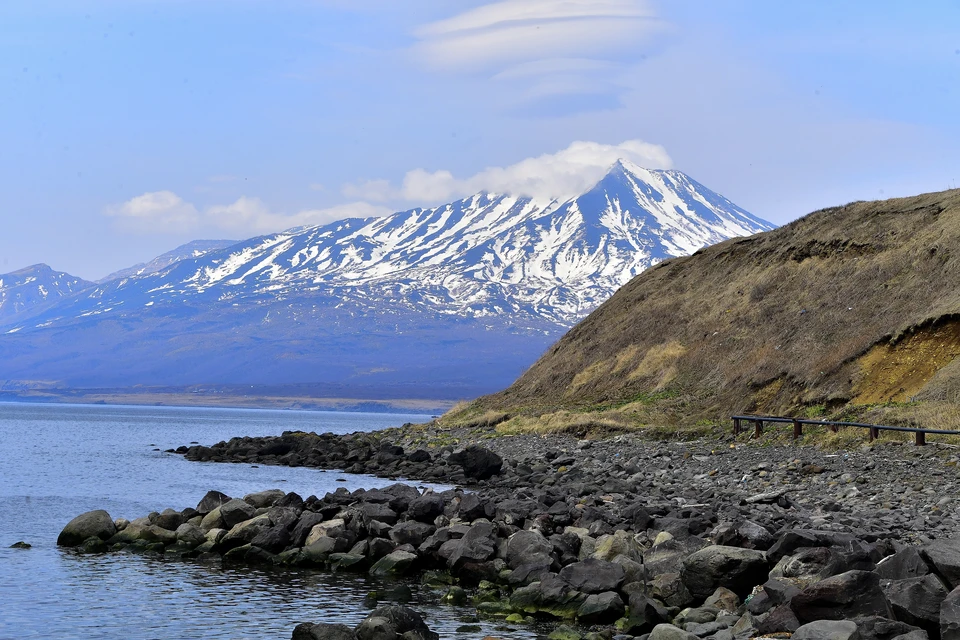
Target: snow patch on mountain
534, 262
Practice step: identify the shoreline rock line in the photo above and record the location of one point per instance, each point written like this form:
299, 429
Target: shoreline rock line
622, 538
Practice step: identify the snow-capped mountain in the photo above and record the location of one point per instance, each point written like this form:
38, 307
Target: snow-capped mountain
472, 291
193, 249
483, 256
36, 286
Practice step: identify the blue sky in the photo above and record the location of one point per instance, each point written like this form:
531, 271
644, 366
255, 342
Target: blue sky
131, 126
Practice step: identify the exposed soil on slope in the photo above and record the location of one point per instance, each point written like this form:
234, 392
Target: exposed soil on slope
846, 307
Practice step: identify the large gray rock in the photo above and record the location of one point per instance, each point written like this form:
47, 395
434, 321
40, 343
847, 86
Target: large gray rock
263, 499
645, 614
477, 462
211, 501
323, 631
593, 576
334, 528
827, 630
601, 608
477, 545
950, 616
395, 563
527, 547
668, 556
245, 531
235, 512
670, 632
170, 519
307, 521
190, 535
273, 539
212, 520
718, 566
844, 596
808, 565
411, 532
425, 508
92, 524
908, 563
402, 619
550, 596
944, 555
669, 588
916, 601
880, 628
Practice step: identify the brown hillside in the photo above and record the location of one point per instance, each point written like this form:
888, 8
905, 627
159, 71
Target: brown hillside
855, 305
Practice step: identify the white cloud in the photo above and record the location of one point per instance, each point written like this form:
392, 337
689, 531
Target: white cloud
552, 175
518, 31
156, 210
546, 58
251, 214
165, 211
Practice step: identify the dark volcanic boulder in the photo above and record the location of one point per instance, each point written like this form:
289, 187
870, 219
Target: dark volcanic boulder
845, 596
211, 501
235, 512
477, 462
902, 565
809, 565
323, 631
477, 545
394, 563
601, 608
266, 498
645, 614
944, 556
827, 630
425, 508
410, 532
916, 601
528, 548
92, 524
593, 576
950, 616
401, 619
718, 566
881, 628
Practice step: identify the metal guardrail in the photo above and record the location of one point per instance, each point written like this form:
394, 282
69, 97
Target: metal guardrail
875, 429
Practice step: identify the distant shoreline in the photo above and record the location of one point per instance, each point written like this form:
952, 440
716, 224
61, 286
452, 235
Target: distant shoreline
226, 400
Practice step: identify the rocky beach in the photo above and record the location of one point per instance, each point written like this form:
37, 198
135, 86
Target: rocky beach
619, 537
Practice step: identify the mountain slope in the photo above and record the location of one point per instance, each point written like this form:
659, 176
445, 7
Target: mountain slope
193, 249
479, 257
35, 287
840, 310
468, 293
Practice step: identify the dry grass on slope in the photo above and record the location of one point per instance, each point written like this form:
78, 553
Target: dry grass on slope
855, 305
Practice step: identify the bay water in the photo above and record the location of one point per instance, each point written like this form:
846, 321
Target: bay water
57, 461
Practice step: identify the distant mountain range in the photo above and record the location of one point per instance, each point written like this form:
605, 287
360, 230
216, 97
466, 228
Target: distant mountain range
193, 249
460, 298
35, 287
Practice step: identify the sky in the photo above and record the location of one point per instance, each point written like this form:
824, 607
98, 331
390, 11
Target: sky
129, 127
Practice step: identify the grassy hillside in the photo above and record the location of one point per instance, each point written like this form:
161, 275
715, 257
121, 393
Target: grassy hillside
851, 311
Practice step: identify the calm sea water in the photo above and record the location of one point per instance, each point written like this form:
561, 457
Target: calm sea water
57, 461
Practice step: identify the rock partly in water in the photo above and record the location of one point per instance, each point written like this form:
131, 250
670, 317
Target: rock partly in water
92, 524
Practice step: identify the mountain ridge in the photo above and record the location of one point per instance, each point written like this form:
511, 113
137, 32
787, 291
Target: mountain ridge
468, 293
850, 311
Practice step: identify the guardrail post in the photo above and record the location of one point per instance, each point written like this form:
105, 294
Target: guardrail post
736, 426
797, 429
757, 428
874, 433
834, 428
921, 438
